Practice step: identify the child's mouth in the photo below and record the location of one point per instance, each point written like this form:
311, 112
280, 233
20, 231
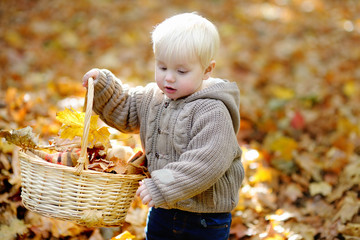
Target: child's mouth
170, 89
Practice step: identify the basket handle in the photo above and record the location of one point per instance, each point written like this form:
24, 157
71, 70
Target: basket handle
83, 161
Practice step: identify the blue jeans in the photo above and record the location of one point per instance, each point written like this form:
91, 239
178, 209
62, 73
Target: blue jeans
168, 224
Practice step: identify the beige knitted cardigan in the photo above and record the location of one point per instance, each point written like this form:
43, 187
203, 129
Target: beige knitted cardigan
190, 143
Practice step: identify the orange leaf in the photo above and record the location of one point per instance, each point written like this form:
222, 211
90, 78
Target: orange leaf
124, 236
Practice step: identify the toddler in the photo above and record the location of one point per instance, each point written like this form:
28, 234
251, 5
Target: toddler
187, 123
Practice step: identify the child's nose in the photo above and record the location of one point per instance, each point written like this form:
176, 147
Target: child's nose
169, 77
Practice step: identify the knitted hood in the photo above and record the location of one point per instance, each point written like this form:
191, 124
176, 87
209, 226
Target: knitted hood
225, 91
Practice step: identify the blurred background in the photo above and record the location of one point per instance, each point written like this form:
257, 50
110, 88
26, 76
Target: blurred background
296, 63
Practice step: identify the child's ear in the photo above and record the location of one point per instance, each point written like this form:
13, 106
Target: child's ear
209, 69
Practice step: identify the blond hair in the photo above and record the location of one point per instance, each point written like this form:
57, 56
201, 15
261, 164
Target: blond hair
186, 35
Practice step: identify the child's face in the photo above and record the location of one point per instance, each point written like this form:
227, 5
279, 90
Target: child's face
179, 77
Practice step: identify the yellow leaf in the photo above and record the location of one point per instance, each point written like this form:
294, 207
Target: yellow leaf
275, 237
14, 39
346, 126
101, 135
124, 236
350, 88
69, 117
73, 126
5, 147
262, 175
282, 92
284, 146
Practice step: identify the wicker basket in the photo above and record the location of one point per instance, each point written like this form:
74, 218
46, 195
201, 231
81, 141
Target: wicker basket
87, 197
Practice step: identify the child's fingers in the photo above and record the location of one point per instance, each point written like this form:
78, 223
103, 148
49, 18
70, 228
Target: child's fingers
85, 83
140, 190
146, 199
144, 195
144, 192
151, 203
93, 73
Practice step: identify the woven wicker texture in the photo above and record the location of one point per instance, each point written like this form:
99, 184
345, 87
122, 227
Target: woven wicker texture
87, 197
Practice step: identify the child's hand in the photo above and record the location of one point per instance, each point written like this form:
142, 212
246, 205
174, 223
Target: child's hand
143, 193
93, 73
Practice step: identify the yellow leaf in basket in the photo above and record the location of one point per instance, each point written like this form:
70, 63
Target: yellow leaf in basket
71, 117
124, 236
100, 135
73, 126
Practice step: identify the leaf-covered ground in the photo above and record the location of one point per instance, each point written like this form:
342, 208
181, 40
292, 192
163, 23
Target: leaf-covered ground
295, 62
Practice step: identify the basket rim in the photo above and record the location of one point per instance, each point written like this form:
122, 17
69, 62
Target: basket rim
44, 163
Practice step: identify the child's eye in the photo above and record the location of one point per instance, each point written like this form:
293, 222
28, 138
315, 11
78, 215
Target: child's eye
182, 71
163, 68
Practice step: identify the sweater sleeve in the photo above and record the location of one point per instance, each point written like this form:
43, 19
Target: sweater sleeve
117, 104
210, 153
